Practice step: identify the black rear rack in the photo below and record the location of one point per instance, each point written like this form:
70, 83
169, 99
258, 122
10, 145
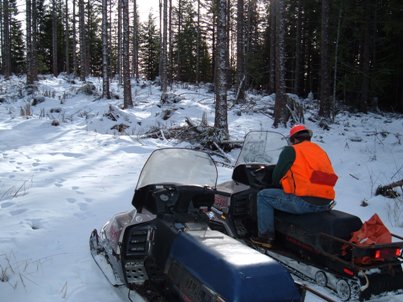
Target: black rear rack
351, 253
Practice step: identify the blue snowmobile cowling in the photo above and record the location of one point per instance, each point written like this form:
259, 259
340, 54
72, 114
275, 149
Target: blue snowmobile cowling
227, 267
164, 250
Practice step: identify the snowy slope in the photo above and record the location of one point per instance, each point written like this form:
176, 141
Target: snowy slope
58, 183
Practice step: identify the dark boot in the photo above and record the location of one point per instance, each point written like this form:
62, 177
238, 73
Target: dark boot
264, 240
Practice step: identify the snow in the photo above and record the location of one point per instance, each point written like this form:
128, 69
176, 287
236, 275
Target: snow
58, 183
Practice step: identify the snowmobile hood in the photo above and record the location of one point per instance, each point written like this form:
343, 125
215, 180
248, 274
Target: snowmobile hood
178, 166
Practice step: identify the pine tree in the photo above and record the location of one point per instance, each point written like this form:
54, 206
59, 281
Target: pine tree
149, 48
16, 38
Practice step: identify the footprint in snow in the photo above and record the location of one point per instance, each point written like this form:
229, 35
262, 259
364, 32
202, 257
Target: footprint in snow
75, 188
17, 212
83, 206
6, 204
71, 200
35, 224
59, 182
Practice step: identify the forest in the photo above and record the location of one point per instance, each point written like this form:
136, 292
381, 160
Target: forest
342, 52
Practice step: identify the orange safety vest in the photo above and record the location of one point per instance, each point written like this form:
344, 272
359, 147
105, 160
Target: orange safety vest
311, 174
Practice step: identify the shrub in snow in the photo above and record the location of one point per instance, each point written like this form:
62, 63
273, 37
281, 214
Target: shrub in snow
87, 89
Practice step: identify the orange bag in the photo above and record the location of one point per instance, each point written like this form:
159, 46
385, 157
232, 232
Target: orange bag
372, 231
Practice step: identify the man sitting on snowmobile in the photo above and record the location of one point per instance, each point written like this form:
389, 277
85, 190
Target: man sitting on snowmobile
306, 176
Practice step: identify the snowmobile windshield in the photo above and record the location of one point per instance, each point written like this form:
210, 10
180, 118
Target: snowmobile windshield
178, 166
262, 147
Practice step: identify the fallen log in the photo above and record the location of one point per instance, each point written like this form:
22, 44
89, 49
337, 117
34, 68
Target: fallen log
387, 190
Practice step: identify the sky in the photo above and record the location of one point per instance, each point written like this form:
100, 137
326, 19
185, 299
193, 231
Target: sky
144, 8
147, 6
58, 183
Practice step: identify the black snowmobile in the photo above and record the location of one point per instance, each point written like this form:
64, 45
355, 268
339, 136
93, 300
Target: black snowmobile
163, 249
312, 246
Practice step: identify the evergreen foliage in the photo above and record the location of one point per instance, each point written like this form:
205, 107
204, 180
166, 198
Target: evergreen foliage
17, 43
365, 38
149, 49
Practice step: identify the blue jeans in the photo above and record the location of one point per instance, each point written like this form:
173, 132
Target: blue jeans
270, 199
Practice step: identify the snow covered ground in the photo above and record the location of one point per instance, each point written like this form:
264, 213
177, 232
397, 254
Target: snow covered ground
58, 183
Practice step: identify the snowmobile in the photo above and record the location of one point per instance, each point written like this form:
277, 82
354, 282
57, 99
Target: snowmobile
163, 249
314, 247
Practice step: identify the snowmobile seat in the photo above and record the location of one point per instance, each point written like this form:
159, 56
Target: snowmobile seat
307, 227
255, 175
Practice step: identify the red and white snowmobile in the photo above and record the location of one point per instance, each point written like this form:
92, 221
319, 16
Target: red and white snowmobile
163, 249
315, 246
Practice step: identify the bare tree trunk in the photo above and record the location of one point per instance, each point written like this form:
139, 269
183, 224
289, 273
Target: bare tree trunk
161, 43
198, 40
34, 41
214, 45
163, 73
54, 39
31, 41
7, 42
105, 51
75, 63
325, 101
1, 35
119, 59
178, 60
240, 54
297, 70
228, 43
336, 53
272, 58
280, 110
28, 17
88, 40
365, 57
67, 36
221, 119
83, 42
170, 60
135, 54
127, 87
